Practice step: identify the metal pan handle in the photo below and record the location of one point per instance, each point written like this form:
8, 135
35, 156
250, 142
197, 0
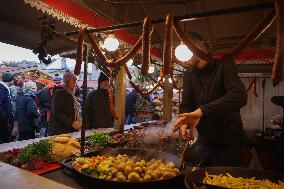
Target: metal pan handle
67, 163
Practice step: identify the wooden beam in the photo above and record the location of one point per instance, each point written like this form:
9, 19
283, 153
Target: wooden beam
167, 100
120, 91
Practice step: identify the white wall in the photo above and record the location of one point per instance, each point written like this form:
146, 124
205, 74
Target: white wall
252, 112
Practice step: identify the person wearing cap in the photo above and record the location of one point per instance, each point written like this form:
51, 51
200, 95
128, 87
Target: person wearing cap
6, 110
65, 109
98, 111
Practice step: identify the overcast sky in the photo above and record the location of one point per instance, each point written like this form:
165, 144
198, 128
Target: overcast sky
14, 53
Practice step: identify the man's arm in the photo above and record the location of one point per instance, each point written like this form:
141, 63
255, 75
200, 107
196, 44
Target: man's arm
235, 97
186, 103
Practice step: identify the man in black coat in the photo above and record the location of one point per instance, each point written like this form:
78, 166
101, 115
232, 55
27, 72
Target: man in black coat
211, 100
98, 111
6, 109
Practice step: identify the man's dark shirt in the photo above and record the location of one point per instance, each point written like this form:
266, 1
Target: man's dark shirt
220, 93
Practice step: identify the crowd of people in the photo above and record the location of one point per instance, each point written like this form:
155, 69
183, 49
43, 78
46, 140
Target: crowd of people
25, 110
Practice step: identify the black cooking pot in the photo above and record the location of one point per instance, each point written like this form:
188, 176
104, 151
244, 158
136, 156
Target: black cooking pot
174, 182
195, 178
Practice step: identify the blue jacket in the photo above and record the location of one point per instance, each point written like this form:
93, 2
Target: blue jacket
26, 113
131, 99
6, 110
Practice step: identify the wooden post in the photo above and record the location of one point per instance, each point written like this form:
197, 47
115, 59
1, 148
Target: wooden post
85, 86
120, 92
167, 100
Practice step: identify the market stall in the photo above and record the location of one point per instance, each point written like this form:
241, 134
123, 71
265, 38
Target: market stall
145, 155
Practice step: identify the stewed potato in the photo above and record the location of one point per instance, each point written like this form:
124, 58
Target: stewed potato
127, 170
124, 168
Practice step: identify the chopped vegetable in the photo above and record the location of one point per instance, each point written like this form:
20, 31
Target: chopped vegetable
124, 168
100, 138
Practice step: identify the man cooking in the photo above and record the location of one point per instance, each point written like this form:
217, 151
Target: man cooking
212, 97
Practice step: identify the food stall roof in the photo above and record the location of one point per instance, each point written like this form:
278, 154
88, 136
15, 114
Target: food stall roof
21, 27
221, 32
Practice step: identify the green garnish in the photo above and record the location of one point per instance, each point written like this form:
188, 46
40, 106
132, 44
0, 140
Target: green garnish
37, 150
100, 138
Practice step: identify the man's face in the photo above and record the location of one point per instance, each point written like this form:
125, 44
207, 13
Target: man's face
33, 89
104, 85
196, 61
57, 83
19, 81
10, 83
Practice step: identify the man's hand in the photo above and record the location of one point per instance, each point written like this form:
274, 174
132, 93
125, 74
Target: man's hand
188, 120
76, 125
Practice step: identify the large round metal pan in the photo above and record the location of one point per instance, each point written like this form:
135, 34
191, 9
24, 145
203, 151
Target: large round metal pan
141, 153
195, 178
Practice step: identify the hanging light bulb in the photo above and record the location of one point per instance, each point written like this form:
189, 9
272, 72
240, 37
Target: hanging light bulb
151, 69
129, 62
182, 53
170, 80
111, 43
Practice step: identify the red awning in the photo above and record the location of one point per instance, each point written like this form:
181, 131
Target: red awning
262, 54
72, 9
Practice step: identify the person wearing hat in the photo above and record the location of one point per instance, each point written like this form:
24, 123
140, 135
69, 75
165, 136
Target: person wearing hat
65, 108
98, 111
6, 110
45, 97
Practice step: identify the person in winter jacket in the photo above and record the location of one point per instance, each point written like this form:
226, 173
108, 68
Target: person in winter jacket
45, 97
16, 90
27, 111
130, 109
212, 97
98, 111
65, 108
6, 110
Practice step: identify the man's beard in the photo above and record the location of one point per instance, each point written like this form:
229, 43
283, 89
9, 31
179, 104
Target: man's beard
194, 63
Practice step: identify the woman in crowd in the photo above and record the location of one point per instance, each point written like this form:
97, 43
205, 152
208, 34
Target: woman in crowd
27, 111
65, 109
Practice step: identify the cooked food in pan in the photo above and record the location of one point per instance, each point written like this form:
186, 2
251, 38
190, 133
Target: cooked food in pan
228, 181
125, 168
